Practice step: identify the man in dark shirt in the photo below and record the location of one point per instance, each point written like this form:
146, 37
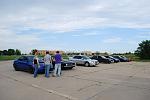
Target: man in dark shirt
58, 60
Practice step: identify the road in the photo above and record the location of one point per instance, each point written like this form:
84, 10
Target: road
118, 81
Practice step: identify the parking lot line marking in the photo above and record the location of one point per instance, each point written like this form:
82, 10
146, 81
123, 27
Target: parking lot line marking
54, 92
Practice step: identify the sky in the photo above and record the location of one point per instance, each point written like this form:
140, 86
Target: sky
113, 26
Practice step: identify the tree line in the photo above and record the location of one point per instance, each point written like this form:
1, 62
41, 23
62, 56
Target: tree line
10, 52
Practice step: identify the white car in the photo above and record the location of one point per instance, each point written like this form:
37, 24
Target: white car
84, 60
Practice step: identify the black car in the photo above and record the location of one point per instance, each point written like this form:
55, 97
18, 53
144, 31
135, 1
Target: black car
25, 63
115, 59
102, 59
121, 58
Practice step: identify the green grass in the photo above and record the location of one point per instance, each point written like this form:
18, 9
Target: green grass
13, 57
136, 58
132, 57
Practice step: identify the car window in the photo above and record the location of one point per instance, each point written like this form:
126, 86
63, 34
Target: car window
85, 57
77, 57
110, 56
99, 57
94, 57
22, 58
103, 57
30, 58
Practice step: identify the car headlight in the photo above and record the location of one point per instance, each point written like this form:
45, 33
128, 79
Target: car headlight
92, 62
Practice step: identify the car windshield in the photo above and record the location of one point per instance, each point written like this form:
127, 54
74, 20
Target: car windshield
85, 57
110, 57
103, 56
30, 58
123, 56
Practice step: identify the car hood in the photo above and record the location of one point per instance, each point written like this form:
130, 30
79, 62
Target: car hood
91, 60
67, 62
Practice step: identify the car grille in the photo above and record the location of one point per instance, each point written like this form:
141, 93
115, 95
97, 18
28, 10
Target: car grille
70, 64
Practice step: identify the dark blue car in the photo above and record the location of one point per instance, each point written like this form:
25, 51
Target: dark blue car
25, 63
121, 58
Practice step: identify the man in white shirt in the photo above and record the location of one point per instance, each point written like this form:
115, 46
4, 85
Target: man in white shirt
48, 63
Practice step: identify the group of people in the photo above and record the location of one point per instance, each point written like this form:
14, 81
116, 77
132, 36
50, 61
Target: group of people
48, 64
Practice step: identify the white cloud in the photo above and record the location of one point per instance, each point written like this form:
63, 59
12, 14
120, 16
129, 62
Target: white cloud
76, 35
59, 17
91, 33
112, 40
24, 42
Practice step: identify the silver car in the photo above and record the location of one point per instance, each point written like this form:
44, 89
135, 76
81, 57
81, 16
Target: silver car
84, 60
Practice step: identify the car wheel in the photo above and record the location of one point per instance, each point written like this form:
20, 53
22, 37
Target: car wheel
31, 70
87, 64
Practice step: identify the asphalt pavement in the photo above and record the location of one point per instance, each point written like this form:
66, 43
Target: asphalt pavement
117, 81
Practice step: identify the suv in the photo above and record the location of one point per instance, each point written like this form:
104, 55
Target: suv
84, 60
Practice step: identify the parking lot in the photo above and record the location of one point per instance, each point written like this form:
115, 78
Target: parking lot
117, 81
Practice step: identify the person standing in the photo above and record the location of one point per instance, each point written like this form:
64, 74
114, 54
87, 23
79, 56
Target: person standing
48, 63
58, 59
36, 63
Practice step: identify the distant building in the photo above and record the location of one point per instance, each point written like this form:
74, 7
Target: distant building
86, 53
43, 52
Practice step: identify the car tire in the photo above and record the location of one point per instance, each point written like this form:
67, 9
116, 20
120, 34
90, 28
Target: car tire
31, 70
87, 64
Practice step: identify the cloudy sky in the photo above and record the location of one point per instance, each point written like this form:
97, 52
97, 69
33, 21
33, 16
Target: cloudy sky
74, 25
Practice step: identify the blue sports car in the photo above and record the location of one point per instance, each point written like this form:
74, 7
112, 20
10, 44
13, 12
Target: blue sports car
25, 63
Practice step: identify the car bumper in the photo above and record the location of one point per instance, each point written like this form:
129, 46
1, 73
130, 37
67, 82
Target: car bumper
94, 64
68, 65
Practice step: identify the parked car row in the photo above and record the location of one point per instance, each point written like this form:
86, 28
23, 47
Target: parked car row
95, 60
25, 63
110, 59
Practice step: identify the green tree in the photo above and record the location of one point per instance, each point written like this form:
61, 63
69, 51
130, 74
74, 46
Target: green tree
18, 52
1, 52
11, 52
5, 52
143, 51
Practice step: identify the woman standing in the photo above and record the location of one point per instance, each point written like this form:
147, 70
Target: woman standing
36, 63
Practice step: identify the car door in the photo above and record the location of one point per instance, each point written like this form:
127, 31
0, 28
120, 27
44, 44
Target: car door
100, 59
23, 63
82, 60
77, 59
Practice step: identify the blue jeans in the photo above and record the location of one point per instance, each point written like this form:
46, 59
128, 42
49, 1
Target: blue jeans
35, 70
47, 68
57, 70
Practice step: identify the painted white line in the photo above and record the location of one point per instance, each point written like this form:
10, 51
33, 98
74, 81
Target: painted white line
54, 92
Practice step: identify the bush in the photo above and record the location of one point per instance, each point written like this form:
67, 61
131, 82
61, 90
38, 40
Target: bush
143, 51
